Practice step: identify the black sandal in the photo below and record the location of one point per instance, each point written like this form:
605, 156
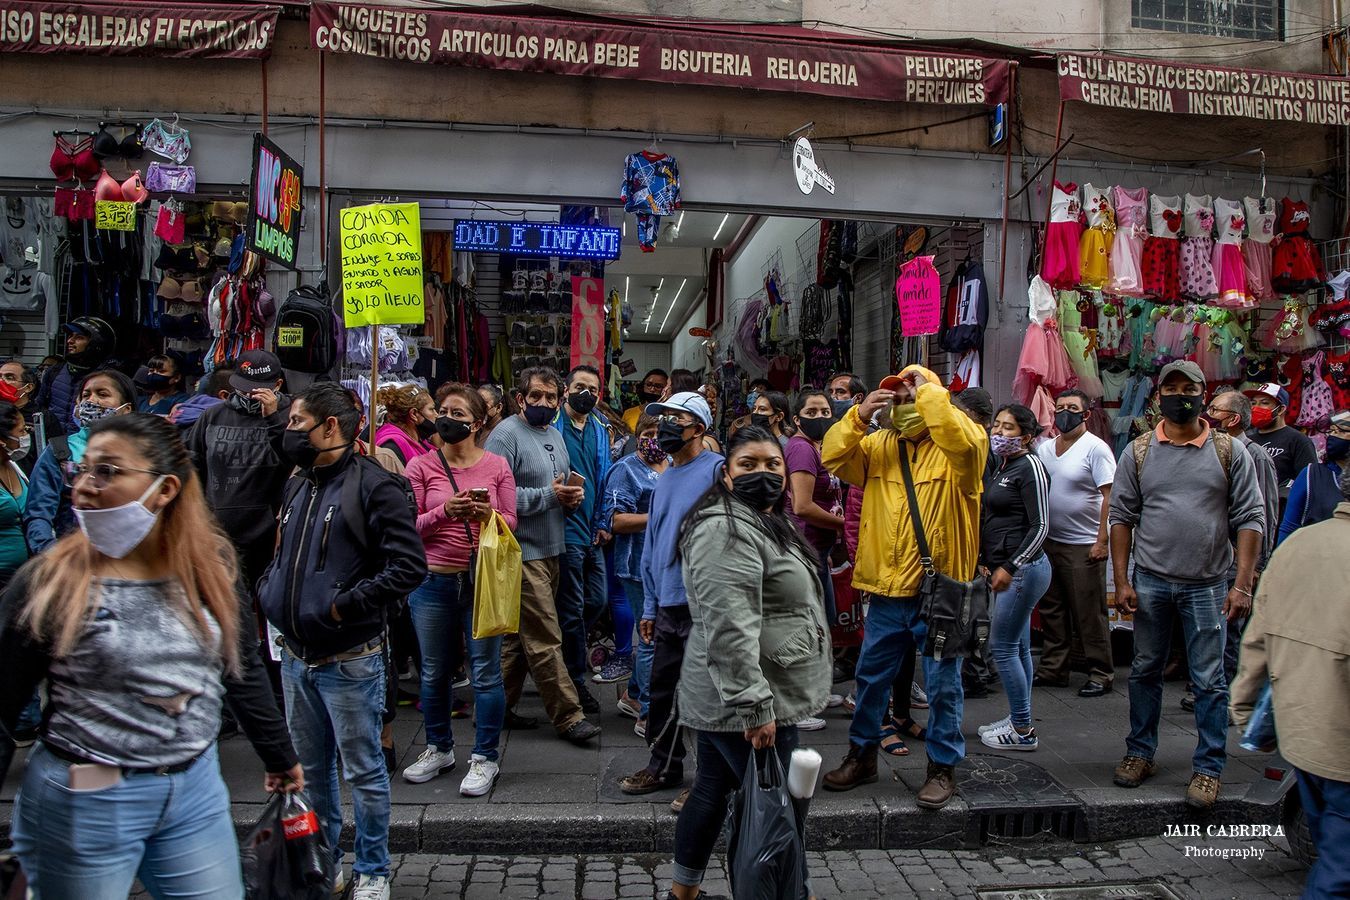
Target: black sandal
910, 729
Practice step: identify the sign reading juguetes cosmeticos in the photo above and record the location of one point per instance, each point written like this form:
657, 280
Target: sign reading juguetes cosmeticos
381, 264
274, 203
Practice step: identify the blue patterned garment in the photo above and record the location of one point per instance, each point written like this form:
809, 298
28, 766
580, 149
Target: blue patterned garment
651, 189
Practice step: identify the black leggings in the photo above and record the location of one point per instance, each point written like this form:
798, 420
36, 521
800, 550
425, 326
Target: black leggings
900, 688
722, 758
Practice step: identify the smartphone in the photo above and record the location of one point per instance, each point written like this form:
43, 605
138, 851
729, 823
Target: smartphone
93, 777
576, 479
479, 495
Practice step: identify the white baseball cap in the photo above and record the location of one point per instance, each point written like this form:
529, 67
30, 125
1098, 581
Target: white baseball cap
689, 402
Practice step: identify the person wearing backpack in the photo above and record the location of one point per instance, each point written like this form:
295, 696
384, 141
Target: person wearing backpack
349, 551
925, 464
1180, 492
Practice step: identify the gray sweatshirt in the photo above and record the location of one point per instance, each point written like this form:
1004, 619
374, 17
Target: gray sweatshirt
1184, 511
536, 456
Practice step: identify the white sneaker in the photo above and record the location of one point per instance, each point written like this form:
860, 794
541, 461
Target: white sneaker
371, 887
482, 773
918, 697
1002, 724
430, 764
811, 723
1010, 740
835, 701
340, 882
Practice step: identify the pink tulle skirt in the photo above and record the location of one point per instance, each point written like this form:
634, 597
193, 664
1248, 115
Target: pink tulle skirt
1061, 268
1043, 363
1256, 262
1127, 269
1231, 273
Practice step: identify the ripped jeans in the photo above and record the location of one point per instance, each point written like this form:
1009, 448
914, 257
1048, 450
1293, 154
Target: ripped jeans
1200, 607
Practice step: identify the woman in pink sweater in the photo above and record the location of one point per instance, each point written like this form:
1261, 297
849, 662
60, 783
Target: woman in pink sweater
457, 489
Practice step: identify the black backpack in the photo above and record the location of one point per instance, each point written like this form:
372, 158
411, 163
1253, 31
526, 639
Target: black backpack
306, 338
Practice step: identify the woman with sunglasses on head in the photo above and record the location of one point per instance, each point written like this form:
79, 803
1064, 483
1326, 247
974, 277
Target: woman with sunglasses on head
758, 658
137, 621
409, 421
48, 514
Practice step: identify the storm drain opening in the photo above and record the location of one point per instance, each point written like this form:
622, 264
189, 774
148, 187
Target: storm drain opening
1024, 823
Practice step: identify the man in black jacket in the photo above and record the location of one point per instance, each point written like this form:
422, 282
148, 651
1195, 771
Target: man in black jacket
236, 446
349, 550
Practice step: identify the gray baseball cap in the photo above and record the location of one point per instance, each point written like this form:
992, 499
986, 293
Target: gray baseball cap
1185, 367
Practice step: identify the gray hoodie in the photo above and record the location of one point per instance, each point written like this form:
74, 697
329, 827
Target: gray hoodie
759, 647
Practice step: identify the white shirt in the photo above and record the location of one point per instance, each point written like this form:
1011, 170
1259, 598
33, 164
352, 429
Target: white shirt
1076, 479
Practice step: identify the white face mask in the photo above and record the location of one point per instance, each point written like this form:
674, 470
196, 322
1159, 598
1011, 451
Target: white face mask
25, 444
118, 530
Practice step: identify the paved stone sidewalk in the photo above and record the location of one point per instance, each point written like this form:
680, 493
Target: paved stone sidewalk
865, 874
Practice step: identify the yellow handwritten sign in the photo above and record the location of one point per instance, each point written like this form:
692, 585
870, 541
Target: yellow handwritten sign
381, 264
115, 215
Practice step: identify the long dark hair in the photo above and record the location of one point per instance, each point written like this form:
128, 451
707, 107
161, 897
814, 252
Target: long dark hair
781, 529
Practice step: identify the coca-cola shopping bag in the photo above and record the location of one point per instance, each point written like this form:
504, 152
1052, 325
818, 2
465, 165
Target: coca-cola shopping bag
285, 856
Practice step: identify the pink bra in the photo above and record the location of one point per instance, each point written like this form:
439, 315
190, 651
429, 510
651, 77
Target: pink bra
132, 189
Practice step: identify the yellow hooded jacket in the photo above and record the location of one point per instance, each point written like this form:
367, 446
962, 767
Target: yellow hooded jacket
948, 469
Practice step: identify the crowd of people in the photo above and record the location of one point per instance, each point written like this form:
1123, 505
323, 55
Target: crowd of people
179, 562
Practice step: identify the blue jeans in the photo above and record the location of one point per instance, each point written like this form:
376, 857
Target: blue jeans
639, 684
895, 627
1010, 635
1200, 608
173, 831
442, 616
338, 709
1326, 804
620, 610
582, 596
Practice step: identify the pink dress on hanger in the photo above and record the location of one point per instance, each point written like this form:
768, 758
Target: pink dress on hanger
1229, 269
1256, 249
1197, 249
1060, 268
1127, 250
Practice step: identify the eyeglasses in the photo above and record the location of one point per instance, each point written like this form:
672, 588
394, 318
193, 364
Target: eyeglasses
653, 385
101, 473
673, 420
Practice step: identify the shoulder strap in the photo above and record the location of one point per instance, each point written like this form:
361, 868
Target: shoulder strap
1140, 447
1223, 447
468, 532
352, 509
60, 447
925, 557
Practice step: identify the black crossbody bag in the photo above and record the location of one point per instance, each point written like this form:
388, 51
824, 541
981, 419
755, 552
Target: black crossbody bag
957, 612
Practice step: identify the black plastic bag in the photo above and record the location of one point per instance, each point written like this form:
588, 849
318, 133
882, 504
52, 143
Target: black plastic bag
766, 857
285, 856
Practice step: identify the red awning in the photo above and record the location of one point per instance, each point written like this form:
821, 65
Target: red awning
132, 28
761, 57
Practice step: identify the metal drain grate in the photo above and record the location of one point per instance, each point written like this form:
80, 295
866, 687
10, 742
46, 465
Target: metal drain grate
1028, 823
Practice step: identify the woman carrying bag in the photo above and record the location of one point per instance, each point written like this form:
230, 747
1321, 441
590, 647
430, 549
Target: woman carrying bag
758, 659
459, 489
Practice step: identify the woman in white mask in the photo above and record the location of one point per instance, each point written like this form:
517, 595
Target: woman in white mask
48, 514
15, 443
137, 624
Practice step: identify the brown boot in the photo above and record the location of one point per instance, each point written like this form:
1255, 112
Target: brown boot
859, 767
939, 788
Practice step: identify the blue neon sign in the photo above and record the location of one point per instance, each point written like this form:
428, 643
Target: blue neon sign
537, 239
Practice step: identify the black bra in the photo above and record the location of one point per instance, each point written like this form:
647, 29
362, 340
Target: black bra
130, 147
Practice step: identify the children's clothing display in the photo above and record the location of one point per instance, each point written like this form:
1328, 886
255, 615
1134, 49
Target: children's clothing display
1197, 249
1061, 267
1079, 346
1256, 247
1127, 248
1296, 264
1229, 269
651, 189
1162, 249
1094, 249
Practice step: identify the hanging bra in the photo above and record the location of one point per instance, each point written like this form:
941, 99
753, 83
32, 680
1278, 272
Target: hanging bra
188, 259
130, 147
166, 141
132, 190
74, 161
187, 290
162, 179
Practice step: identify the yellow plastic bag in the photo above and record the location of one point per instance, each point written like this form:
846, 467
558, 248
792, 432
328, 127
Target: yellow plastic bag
496, 583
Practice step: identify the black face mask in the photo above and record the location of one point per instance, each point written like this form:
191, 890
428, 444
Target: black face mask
761, 420
425, 429
296, 446
1067, 420
645, 397
248, 405
157, 381
841, 407
452, 431
581, 402
758, 490
539, 416
815, 428
1181, 409
670, 436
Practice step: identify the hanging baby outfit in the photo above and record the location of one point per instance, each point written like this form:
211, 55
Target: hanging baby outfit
1197, 249
1061, 268
1079, 345
1229, 269
1296, 265
1127, 249
1094, 249
1256, 248
651, 189
1162, 249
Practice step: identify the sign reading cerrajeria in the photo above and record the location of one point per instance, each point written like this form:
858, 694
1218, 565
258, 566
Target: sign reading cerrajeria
1151, 86
783, 60
222, 31
274, 203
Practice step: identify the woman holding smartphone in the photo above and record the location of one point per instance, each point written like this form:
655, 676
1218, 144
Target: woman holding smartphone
138, 625
457, 488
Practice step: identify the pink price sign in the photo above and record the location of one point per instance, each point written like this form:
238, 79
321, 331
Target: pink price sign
588, 322
918, 294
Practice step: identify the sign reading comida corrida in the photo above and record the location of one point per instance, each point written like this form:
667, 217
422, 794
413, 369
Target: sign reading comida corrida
274, 203
537, 239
